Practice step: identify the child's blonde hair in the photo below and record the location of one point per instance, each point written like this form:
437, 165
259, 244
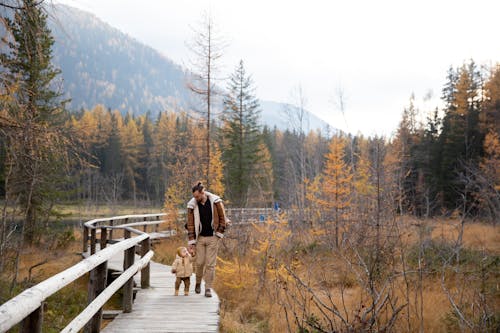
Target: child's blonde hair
179, 250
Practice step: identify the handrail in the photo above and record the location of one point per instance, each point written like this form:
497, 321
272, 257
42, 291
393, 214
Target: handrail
82, 319
19, 307
90, 224
27, 306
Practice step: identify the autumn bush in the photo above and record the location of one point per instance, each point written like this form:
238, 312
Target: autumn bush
297, 282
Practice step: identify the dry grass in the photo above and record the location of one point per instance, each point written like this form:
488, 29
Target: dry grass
88, 212
240, 314
477, 236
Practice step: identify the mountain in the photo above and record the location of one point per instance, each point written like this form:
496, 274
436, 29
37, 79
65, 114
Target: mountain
102, 65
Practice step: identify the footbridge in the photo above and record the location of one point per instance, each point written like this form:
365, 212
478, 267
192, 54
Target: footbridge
118, 257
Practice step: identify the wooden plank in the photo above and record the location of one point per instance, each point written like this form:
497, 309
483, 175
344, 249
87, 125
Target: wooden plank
157, 309
77, 323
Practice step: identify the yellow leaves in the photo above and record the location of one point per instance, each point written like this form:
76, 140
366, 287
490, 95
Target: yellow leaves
216, 171
317, 232
337, 177
490, 165
235, 274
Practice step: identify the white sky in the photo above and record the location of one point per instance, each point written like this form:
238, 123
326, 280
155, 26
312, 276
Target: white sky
377, 52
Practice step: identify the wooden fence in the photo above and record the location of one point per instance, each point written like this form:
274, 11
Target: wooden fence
27, 307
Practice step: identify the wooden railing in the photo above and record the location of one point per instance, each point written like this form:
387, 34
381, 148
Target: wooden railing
27, 307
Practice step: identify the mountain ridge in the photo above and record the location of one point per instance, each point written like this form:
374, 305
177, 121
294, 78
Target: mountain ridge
102, 65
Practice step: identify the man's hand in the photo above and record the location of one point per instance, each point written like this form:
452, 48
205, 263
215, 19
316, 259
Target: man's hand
192, 249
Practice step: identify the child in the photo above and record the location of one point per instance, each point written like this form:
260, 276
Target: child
182, 268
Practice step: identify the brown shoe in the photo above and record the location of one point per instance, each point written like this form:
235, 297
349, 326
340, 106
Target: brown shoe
176, 292
208, 293
197, 288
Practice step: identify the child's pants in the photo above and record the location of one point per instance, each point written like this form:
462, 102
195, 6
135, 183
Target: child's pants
186, 281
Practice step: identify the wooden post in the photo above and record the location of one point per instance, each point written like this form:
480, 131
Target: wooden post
111, 223
124, 230
145, 227
104, 237
145, 246
128, 287
97, 283
156, 225
92, 241
85, 237
33, 323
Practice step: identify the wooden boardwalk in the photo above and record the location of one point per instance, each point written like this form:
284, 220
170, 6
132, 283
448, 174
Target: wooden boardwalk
156, 309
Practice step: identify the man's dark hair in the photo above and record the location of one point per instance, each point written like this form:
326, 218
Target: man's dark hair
198, 187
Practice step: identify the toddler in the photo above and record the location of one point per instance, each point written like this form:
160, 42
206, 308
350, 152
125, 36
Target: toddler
182, 267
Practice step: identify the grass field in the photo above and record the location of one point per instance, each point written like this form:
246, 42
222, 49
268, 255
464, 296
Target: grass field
241, 312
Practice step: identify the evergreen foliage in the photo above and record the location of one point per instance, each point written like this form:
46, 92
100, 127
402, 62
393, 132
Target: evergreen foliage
241, 135
33, 117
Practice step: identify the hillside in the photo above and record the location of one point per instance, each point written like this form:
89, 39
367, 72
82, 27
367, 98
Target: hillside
102, 65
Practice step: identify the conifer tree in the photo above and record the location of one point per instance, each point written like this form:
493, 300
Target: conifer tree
460, 137
336, 186
37, 116
241, 135
490, 117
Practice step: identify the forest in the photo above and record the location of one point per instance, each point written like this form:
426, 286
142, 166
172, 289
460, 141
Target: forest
372, 227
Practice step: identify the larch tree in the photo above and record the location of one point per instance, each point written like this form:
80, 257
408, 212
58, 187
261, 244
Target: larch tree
132, 141
207, 47
336, 186
490, 116
489, 177
261, 188
241, 135
36, 141
217, 172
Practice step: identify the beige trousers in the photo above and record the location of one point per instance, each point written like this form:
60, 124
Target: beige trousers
206, 258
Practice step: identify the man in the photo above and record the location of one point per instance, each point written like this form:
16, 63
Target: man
206, 222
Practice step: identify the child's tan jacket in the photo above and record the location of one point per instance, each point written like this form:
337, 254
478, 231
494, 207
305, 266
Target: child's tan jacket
183, 267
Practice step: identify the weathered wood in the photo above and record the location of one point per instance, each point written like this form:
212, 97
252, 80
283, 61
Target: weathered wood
128, 260
110, 314
157, 309
85, 239
92, 241
111, 223
19, 307
123, 217
104, 237
97, 283
134, 224
33, 323
93, 308
145, 272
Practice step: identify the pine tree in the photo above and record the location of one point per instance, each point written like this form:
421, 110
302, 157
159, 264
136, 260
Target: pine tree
241, 136
38, 141
460, 137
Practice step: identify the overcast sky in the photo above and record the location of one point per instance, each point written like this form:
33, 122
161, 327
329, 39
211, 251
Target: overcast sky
377, 52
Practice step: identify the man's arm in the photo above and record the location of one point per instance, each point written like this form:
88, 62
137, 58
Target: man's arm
222, 219
190, 227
